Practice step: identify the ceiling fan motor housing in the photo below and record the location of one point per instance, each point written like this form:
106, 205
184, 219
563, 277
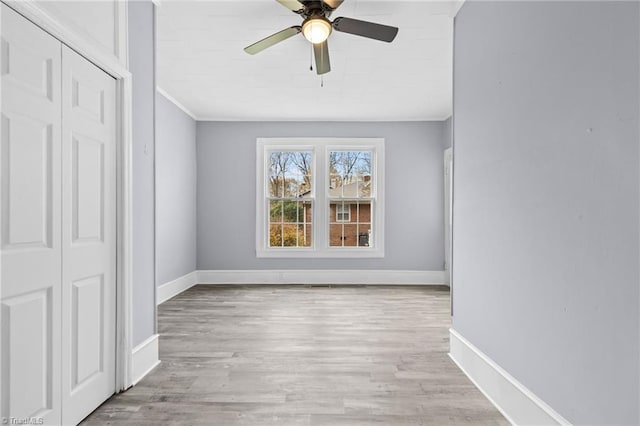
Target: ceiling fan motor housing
314, 8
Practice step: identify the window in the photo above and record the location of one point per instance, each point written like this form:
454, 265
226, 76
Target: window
343, 212
320, 197
290, 202
349, 194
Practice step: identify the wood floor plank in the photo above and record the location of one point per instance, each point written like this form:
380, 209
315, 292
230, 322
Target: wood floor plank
303, 355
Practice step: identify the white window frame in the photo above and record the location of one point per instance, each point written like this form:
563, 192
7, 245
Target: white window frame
320, 147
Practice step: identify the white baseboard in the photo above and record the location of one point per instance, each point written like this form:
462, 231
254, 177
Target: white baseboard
334, 277
379, 277
168, 290
517, 403
145, 358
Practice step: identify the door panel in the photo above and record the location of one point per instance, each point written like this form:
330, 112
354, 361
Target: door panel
27, 167
88, 236
27, 319
88, 189
30, 285
88, 333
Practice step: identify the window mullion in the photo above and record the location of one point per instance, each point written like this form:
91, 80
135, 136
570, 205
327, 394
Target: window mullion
321, 224
358, 223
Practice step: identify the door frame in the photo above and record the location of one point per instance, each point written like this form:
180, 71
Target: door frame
448, 199
116, 69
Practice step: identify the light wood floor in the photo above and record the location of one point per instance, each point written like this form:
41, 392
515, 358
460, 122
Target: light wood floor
293, 355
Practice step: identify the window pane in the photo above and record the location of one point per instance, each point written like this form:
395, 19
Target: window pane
350, 224
275, 235
344, 235
306, 235
364, 212
350, 174
290, 174
275, 210
290, 223
292, 211
335, 235
350, 235
290, 235
364, 235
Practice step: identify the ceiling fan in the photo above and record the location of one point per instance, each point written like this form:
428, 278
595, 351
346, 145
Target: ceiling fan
316, 27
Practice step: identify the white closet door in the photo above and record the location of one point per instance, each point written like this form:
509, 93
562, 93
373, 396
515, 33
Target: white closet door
30, 289
88, 236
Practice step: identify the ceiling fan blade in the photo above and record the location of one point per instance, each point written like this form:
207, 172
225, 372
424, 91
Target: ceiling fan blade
332, 4
293, 5
321, 52
272, 39
365, 29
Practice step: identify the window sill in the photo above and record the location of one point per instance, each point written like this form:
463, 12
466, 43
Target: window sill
330, 253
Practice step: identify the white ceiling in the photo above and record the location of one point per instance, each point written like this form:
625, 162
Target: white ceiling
201, 63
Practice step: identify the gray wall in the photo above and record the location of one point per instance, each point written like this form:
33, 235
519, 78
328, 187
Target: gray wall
175, 191
546, 199
227, 194
141, 65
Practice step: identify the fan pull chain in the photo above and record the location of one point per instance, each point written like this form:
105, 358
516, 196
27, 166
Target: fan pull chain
322, 80
311, 58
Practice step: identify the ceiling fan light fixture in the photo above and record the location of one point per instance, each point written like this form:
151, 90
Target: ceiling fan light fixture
316, 30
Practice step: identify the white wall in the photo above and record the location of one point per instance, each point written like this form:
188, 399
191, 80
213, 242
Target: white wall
546, 249
175, 191
413, 190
